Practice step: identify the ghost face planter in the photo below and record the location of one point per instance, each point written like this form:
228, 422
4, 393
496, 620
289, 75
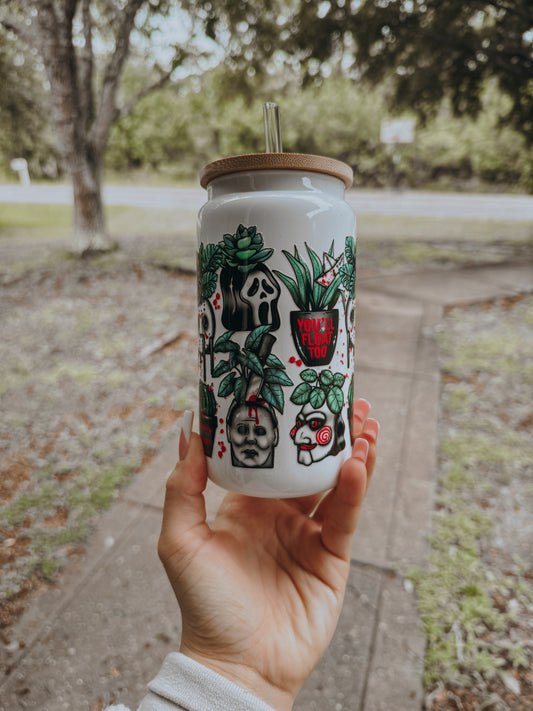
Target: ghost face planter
252, 431
261, 292
250, 299
317, 433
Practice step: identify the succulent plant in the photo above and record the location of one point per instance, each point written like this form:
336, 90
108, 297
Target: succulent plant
244, 250
208, 402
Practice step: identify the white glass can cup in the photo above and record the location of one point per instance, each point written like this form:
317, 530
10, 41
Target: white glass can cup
276, 318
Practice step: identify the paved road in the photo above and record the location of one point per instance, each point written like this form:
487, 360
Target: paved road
480, 206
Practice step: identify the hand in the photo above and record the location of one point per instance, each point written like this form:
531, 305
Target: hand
261, 589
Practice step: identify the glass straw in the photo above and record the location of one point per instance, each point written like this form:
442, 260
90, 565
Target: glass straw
272, 127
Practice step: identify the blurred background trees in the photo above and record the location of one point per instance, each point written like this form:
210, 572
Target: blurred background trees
463, 69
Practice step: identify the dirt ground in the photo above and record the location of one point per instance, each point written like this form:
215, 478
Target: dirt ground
98, 361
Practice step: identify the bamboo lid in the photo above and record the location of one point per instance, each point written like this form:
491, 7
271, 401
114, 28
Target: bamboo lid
276, 161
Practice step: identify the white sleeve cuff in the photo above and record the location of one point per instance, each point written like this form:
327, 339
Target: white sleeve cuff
187, 685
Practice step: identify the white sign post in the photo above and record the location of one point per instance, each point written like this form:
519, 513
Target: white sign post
20, 166
398, 131
393, 133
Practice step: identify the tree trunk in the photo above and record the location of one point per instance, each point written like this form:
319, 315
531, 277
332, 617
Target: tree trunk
90, 234
71, 102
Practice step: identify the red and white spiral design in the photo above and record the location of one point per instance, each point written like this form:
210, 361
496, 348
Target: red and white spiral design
323, 436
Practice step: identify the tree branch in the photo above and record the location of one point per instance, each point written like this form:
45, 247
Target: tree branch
107, 111
23, 32
113, 9
511, 8
128, 107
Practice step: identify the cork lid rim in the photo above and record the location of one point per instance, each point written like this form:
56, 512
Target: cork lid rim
276, 161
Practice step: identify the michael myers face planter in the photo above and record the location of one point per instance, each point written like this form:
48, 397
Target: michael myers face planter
253, 434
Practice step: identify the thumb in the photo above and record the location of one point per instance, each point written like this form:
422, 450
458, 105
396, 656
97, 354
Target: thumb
184, 508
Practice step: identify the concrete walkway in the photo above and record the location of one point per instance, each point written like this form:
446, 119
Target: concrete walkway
102, 633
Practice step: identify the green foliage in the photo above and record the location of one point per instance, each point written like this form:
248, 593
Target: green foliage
319, 388
24, 108
208, 402
210, 258
156, 134
307, 293
204, 119
464, 595
427, 51
243, 362
243, 250
347, 270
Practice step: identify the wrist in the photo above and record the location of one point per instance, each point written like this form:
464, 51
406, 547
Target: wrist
246, 677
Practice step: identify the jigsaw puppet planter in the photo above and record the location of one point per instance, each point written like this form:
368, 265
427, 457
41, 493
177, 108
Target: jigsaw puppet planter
276, 298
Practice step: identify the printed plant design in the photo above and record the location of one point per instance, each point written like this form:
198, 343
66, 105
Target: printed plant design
349, 404
208, 403
244, 250
255, 377
208, 418
318, 389
315, 326
319, 428
347, 272
209, 260
319, 292
252, 373
250, 291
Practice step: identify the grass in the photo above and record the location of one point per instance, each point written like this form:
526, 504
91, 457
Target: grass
88, 494
31, 222
22, 223
467, 633
449, 229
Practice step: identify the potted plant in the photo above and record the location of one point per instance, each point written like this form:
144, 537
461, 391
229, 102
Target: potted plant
347, 271
252, 370
208, 418
315, 325
209, 260
349, 403
319, 428
250, 291
255, 378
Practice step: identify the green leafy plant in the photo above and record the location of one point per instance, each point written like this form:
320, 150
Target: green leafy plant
208, 403
307, 293
243, 250
347, 271
243, 363
320, 388
210, 258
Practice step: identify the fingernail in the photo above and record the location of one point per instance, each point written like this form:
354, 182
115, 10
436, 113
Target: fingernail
185, 434
371, 430
360, 449
361, 409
